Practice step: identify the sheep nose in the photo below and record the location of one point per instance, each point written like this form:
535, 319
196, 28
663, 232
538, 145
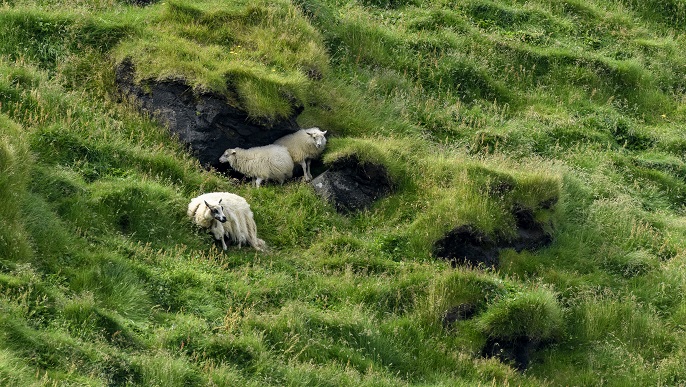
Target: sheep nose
222, 219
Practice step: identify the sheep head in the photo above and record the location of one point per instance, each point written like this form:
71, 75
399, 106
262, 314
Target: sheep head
229, 156
217, 211
317, 136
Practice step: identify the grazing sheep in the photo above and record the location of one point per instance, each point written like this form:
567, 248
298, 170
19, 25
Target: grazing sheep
261, 162
225, 215
303, 146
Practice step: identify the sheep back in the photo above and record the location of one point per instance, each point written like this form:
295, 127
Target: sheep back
266, 162
239, 226
301, 144
199, 213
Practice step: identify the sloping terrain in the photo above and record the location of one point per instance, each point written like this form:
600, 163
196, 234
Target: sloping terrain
533, 231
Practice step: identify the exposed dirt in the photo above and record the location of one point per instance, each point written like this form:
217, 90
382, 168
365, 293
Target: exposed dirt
466, 245
516, 351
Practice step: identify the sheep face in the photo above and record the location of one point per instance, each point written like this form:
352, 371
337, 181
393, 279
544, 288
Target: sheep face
318, 137
217, 211
229, 156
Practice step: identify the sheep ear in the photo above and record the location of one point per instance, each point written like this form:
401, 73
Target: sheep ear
207, 204
324, 132
219, 202
233, 151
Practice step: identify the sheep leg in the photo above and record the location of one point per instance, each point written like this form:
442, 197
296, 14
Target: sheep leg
218, 233
258, 181
309, 173
306, 174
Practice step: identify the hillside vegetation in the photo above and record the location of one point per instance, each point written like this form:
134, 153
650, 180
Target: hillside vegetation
574, 110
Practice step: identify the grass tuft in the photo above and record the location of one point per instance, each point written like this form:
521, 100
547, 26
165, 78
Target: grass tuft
534, 314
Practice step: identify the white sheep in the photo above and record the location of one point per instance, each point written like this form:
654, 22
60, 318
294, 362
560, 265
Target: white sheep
261, 162
303, 146
225, 215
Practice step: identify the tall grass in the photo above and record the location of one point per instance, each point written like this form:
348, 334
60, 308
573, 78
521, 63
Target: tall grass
571, 110
230, 49
15, 161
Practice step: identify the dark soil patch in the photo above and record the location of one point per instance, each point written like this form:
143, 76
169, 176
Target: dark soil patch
466, 245
516, 351
458, 313
530, 233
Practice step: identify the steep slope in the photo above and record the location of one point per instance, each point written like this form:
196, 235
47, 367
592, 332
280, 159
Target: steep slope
494, 120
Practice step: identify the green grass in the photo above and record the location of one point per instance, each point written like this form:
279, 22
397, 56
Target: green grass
231, 50
15, 160
572, 110
533, 314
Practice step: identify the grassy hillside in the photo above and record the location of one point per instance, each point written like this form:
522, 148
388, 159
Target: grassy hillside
476, 108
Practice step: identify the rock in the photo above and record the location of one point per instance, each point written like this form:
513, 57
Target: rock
466, 245
351, 185
204, 121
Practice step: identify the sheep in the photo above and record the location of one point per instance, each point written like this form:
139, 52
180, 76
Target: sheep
303, 146
261, 162
226, 215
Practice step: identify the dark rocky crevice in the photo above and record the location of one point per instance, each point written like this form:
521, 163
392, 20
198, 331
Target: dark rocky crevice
353, 185
208, 123
466, 245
